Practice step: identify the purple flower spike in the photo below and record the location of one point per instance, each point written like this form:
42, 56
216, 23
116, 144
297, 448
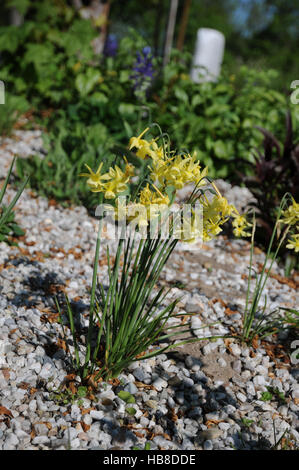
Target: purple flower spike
143, 72
111, 46
146, 50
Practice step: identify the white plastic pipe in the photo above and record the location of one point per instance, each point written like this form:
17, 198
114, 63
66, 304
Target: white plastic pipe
208, 55
2, 92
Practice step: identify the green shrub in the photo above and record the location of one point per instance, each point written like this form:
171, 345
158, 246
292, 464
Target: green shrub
11, 110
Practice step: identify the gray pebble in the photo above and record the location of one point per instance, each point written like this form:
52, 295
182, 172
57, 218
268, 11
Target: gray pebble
208, 445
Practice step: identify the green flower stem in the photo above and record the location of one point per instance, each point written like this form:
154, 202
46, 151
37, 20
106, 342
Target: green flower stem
260, 284
92, 300
250, 270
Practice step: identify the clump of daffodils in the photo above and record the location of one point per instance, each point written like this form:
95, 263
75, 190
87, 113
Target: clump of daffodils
166, 172
290, 217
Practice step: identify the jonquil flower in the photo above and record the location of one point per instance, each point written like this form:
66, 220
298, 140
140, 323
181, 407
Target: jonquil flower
111, 183
116, 183
291, 215
240, 224
94, 179
143, 146
293, 243
167, 170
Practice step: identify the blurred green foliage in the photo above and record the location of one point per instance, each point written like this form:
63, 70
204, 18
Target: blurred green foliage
86, 102
262, 34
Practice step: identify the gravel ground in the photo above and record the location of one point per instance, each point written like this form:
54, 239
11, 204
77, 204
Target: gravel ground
206, 395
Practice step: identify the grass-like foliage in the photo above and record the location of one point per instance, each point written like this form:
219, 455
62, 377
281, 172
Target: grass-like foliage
8, 226
259, 322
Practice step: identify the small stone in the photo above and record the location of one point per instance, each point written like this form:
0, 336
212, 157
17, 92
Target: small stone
212, 433
32, 405
235, 349
237, 366
131, 388
212, 416
192, 308
122, 408
70, 433
159, 384
171, 402
22, 435
40, 404
189, 362
174, 381
11, 442
40, 440
229, 409
140, 375
41, 429
107, 402
224, 426
262, 370
188, 382
250, 389
208, 445
246, 374
241, 397
283, 410
259, 381
96, 415
151, 404
222, 362
75, 412
206, 349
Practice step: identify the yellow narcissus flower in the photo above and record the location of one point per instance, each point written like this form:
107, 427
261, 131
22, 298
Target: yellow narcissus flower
293, 243
216, 210
198, 175
148, 197
129, 169
240, 224
291, 215
116, 183
177, 171
137, 142
189, 229
157, 152
110, 183
158, 168
143, 146
152, 201
94, 179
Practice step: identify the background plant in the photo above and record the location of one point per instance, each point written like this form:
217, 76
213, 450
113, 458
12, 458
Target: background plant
14, 108
49, 62
276, 171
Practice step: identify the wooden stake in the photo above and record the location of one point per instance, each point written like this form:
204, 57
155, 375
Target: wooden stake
170, 31
183, 26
